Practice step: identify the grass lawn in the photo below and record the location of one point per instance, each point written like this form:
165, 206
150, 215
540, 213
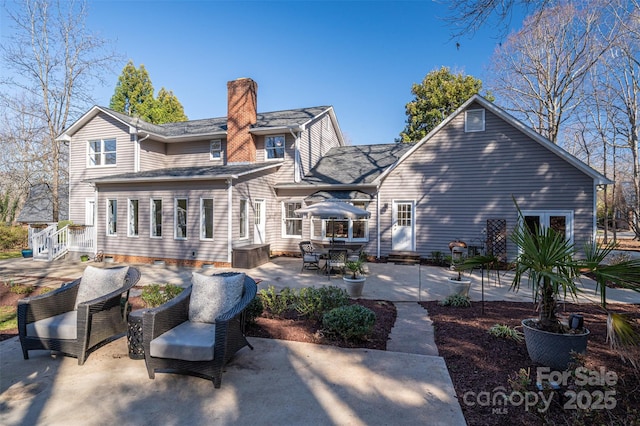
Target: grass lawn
8, 318
10, 254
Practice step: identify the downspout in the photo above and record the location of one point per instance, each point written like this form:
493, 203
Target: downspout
378, 221
229, 219
297, 174
136, 166
95, 218
594, 224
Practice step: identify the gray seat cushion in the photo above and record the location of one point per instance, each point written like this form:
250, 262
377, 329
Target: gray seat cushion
190, 341
63, 326
97, 282
213, 295
310, 257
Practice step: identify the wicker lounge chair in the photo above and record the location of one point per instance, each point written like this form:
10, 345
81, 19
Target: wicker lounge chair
80, 316
178, 341
337, 259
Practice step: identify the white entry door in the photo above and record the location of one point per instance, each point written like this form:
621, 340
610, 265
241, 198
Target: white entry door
259, 222
402, 234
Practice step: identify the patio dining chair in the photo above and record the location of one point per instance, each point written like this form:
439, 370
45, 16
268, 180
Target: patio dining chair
200, 330
80, 316
336, 259
310, 259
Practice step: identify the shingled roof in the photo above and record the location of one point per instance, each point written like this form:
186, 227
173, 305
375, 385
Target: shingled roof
178, 173
286, 118
357, 164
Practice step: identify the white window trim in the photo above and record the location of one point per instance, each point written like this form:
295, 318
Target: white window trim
246, 219
285, 218
175, 219
88, 202
107, 227
284, 146
349, 239
469, 129
202, 227
129, 218
102, 152
211, 157
544, 219
152, 217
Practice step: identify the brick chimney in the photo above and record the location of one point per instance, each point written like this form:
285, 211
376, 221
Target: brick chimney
242, 103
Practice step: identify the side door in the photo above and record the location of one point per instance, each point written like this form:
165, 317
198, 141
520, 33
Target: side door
259, 222
403, 226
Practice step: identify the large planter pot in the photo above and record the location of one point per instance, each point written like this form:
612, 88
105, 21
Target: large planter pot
460, 287
553, 349
354, 285
27, 253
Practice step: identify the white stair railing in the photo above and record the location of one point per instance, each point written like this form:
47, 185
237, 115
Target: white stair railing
82, 239
40, 242
59, 243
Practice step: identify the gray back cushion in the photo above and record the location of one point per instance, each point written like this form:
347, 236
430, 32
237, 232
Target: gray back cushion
211, 296
97, 282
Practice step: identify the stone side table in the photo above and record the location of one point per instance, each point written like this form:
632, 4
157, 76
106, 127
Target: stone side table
134, 334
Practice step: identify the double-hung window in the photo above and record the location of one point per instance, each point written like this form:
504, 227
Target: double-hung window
292, 220
180, 218
132, 214
243, 219
102, 152
112, 217
274, 147
215, 149
156, 218
206, 218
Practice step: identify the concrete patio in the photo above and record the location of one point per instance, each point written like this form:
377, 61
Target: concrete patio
279, 382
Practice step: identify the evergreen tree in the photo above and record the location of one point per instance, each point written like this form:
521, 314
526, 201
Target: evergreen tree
168, 108
440, 94
133, 96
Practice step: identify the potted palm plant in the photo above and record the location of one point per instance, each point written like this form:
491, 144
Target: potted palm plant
355, 280
552, 266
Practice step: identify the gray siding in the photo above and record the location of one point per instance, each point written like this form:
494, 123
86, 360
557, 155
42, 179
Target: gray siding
459, 180
153, 155
319, 137
101, 127
167, 246
191, 154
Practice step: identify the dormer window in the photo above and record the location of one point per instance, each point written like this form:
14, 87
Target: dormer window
274, 147
216, 149
474, 120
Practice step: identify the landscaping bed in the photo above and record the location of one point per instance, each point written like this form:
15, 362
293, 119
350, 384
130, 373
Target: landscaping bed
481, 366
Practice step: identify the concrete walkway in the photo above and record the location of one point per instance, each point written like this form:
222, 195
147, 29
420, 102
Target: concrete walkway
280, 382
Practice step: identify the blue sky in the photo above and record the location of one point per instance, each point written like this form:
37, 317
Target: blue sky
360, 57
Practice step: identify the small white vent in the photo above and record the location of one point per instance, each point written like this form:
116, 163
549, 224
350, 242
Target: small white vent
474, 120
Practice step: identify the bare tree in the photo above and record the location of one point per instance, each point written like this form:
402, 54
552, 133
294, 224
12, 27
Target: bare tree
540, 71
54, 61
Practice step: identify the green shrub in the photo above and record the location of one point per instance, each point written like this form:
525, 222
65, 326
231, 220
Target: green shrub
349, 322
505, 332
156, 295
457, 301
13, 237
22, 289
314, 302
277, 303
254, 309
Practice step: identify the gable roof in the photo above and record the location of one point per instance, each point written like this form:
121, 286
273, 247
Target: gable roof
229, 171
353, 165
267, 122
597, 177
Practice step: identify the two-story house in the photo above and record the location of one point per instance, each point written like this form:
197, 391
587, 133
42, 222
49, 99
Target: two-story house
193, 192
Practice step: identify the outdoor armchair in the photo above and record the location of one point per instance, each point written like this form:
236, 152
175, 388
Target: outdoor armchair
337, 259
201, 329
310, 259
80, 316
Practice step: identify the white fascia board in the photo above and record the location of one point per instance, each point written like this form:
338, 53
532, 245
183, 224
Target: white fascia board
274, 130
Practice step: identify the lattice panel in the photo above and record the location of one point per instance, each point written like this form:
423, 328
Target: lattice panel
497, 238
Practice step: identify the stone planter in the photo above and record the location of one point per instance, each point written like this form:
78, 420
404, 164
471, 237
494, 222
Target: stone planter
552, 349
354, 285
460, 287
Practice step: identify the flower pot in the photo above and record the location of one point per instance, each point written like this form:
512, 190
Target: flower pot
27, 253
84, 257
553, 349
460, 287
354, 285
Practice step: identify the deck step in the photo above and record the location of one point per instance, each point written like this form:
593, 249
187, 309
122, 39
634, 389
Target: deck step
404, 257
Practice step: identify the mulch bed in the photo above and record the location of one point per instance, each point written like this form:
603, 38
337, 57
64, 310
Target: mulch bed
479, 362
